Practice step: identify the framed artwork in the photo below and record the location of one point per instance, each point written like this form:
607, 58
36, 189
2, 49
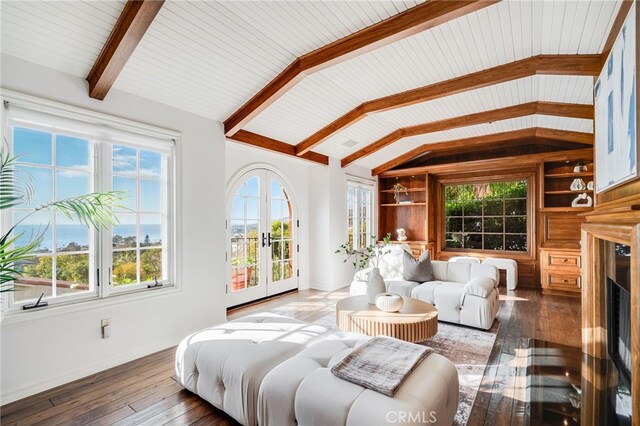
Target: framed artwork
616, 145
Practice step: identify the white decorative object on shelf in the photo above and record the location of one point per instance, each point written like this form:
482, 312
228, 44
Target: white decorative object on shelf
402, 234
389, 302
578, 185
578, 201
590, 185
375, 285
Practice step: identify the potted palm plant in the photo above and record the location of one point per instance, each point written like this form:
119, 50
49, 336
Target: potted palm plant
16, 188
370, 255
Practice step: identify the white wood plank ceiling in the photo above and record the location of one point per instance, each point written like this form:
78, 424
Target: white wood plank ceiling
210, 57
550, 88
63, 35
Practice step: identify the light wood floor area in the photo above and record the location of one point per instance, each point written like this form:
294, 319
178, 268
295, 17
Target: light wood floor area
145, 391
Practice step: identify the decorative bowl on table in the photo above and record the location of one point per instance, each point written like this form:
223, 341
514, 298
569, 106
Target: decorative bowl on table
389, 302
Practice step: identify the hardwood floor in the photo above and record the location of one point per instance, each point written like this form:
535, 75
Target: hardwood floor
145, 391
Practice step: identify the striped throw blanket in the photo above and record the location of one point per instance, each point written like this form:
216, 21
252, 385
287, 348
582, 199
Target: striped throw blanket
381, 364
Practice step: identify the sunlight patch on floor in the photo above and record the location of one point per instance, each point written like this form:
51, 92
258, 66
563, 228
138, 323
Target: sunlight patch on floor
507, 297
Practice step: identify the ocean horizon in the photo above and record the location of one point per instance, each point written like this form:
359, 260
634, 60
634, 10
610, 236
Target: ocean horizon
79, 234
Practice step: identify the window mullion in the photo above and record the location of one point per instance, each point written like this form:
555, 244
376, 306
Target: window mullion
53, 216
105, 184
356, 218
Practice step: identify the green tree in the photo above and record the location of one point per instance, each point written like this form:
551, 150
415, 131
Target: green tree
150, 265
124, 268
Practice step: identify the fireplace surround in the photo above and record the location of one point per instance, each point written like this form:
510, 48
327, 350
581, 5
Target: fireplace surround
618, 308
611, 316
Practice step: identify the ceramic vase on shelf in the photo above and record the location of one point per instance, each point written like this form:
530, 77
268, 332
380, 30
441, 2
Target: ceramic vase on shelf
578, 185
375, 286
402, 234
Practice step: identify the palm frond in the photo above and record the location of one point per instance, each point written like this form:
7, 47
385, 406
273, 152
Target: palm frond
16, 185
11, 257
95, 209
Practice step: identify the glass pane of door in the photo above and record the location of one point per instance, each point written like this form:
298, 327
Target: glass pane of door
281, 228
245, 236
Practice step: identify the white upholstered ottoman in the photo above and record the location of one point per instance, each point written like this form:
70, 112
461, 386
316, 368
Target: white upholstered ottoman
303, 391
509, 265
225, 364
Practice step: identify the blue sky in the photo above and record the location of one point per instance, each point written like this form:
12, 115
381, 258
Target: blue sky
248, 197
36, 147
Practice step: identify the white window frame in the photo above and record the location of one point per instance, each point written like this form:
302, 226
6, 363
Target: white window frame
360, 184
108, 131
106, 243
93, 234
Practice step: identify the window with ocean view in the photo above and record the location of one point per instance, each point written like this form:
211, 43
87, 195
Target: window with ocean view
64, 158
60, 168
138, 239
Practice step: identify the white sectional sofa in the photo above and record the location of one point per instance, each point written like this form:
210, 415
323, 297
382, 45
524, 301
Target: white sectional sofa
464, 293
271, 370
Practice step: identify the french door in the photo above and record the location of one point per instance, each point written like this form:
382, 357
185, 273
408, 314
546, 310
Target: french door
261, 238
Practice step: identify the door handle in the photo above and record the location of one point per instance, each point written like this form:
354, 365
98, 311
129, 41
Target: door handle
264, 240
269, 239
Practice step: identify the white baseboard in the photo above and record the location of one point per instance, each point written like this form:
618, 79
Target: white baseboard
326, 286
42, 386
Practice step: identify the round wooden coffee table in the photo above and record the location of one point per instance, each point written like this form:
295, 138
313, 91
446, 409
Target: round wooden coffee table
415, 322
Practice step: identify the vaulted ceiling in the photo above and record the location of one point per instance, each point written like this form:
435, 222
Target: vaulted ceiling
369, 106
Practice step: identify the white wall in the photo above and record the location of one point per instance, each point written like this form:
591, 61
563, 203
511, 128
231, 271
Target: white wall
328, 206
47, 348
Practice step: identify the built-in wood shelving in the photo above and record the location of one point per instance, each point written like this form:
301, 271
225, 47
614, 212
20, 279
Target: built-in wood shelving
568, 191
403, 204
568, 174
410, 213
408, 190
556, 183
565, 209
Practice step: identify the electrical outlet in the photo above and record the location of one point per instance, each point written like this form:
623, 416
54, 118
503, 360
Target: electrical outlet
105, 326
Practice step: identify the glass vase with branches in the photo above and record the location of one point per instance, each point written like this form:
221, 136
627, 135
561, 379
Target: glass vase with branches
369, 255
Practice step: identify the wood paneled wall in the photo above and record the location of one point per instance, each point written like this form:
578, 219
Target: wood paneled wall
558, 228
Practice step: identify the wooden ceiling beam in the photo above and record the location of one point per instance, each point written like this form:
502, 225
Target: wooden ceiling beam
530, 133
615, 28
274, 145
135, 19
565, 135
412, 21
515, 111
493, 164
458, 143
588, 65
